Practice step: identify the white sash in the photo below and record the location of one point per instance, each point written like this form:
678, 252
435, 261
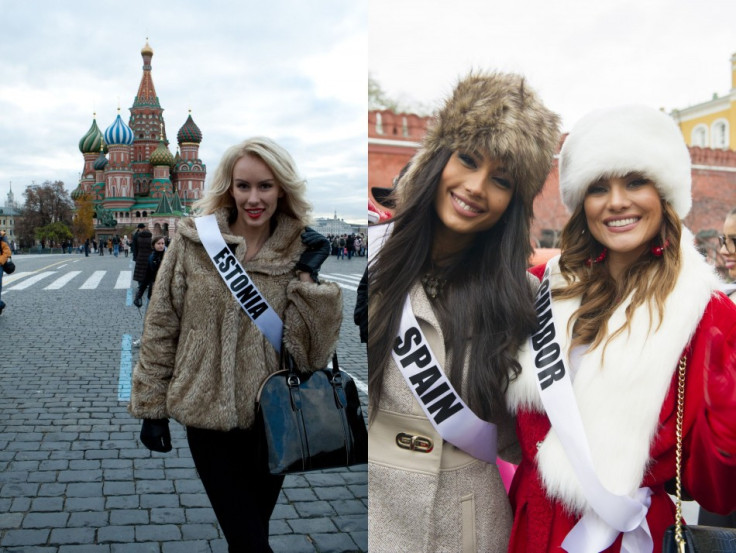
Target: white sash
443, 406
611, 514
240, 285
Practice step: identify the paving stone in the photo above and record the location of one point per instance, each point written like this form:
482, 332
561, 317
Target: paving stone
116, 534
72, 535
291, 543
335, 543
157, 532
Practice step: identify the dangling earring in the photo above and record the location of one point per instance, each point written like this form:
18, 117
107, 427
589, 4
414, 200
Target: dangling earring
658, 251
590, 261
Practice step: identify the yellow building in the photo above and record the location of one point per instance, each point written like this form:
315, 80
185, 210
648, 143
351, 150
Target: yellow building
711, 124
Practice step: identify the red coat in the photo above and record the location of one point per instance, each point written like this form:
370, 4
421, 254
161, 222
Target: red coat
541, 523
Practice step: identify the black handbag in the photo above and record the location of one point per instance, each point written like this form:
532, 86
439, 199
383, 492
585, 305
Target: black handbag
683, 538
310, 420
9, 266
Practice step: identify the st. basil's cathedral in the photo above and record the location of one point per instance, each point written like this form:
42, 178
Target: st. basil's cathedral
129, 173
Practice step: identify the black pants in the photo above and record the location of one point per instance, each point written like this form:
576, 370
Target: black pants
242, 492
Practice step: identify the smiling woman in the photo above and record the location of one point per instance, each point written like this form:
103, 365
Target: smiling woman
627, 302
449, 288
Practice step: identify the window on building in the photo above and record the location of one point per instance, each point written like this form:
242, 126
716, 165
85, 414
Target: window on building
404, 127
700, 136
379, 123
719, 133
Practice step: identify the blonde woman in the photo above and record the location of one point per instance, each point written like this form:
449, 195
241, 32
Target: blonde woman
202, 358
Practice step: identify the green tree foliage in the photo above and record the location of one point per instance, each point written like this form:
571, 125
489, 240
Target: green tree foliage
54, 232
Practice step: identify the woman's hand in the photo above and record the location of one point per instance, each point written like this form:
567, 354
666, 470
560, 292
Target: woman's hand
318, 249
155, 435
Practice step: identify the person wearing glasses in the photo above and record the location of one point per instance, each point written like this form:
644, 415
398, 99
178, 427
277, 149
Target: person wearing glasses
727, 241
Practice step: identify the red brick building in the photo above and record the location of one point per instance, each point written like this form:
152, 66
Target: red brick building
394, 137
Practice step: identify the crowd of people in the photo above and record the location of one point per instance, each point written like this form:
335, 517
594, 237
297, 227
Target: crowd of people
345, 246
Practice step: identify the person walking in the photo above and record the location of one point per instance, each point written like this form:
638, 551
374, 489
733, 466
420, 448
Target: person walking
627, 311
143, 249
203, 358
449, 303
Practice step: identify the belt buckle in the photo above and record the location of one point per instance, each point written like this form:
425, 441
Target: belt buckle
414, 443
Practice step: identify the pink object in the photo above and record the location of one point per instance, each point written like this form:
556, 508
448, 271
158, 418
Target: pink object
507, 471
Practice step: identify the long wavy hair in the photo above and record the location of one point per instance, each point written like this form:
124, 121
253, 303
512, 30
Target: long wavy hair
487, 296
648, 281
294, 202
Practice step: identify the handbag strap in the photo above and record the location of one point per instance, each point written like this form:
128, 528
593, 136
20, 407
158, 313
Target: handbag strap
678, 451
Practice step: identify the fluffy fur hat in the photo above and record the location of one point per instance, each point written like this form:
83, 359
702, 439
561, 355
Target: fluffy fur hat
498, 115
616, 141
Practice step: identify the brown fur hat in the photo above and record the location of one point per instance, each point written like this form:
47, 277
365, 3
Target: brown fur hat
498, 115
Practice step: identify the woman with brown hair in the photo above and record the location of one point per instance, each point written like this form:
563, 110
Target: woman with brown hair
628, 306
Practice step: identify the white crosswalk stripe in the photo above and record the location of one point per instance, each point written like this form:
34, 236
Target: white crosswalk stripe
62, 281
31, 281
94, 281
124, 279
348, 282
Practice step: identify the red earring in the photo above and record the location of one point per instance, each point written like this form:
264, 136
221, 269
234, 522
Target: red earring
590, 261
658, 251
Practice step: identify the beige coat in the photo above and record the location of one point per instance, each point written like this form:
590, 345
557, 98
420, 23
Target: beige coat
202, 359
441, 501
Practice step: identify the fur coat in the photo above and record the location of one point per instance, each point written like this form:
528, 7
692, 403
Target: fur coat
627, 404
443, 500
202, 359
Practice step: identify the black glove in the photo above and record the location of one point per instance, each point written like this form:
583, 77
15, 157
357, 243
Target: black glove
155, 435
138, 302
318, 249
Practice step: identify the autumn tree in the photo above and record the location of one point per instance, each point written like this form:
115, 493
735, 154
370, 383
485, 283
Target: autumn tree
83, 221
44, 204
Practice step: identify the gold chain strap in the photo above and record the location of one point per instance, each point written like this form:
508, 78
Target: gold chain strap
678, 451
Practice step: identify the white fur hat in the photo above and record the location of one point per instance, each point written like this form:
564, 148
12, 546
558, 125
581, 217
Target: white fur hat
616, 141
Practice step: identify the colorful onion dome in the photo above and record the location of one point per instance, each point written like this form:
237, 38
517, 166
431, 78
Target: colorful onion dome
92, 140
118, 132
189, 132
78, 192
100, 163
161, 155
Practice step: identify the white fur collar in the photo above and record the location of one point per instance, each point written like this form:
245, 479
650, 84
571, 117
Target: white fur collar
619, 400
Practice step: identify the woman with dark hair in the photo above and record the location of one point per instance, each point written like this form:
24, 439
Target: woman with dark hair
636, 345
449, 291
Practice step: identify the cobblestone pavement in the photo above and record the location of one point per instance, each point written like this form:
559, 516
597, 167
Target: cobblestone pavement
73, 476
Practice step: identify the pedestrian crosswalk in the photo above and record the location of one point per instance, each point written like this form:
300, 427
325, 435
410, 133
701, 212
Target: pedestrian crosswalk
116, 280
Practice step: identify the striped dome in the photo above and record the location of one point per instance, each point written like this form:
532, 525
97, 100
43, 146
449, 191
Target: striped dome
78, 192
189, 132
161, 155
92, 140
100, 162
118, 133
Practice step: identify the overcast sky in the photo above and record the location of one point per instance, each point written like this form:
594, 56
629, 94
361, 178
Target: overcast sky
291, 70
578, 54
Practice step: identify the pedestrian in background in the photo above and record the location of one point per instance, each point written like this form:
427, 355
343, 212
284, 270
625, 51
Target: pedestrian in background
202, 358
154, 262
449, 272
142, 248
728, 252
628, 304
5, 254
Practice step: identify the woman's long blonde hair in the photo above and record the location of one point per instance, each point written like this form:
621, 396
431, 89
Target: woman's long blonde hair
649, 280
294, 202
